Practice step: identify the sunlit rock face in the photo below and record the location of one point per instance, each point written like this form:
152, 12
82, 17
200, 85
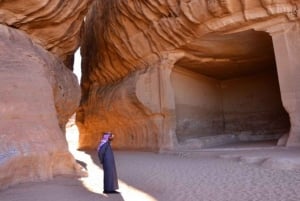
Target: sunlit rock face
166, 74
38, 92
36, 88
54, 24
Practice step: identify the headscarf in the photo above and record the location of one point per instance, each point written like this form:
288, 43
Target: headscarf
105, 139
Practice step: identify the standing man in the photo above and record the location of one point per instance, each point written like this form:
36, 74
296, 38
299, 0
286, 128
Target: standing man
107, 160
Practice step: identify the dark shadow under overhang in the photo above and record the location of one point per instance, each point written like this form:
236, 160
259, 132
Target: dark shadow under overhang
229, 56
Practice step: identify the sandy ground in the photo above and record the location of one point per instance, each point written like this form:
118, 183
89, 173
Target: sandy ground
227, 174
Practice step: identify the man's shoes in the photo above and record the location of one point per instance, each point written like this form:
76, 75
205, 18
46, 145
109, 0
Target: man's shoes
111, 192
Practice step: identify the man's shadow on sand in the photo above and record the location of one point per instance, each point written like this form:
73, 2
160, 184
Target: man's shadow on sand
59, 188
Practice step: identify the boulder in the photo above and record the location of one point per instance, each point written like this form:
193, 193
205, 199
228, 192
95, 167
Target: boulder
38, 94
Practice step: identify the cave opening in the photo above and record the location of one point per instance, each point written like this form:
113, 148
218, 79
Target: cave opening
227, 91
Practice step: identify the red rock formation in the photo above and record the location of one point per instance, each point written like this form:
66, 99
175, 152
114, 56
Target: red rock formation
54, 24
131, 50
36, 88
38, 92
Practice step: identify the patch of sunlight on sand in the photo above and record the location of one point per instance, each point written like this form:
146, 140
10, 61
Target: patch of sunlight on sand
94, 181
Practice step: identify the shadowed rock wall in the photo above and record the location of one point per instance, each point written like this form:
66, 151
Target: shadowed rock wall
125, 37
253, 107
36, 88
199, 105
38, 92
249, 107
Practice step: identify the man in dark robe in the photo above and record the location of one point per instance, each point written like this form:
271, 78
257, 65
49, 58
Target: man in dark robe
107, 160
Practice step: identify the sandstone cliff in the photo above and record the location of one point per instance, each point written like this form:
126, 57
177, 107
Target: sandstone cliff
162, 75
54, 24
135, 54
38, 92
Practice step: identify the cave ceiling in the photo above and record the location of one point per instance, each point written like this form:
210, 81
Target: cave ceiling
229, 56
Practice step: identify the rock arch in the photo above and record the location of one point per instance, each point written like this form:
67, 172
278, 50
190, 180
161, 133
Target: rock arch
138, 46
224, 97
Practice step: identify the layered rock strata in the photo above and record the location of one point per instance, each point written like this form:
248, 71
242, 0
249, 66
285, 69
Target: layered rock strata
36, 88
38, 92
54, 24
131, 50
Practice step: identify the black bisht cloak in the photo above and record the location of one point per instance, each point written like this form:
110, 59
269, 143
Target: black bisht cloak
107, 160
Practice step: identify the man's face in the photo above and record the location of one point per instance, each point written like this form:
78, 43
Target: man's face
111, 137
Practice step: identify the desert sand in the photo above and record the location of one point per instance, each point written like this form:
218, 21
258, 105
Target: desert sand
224, 174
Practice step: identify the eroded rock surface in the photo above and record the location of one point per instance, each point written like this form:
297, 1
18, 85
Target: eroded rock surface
38, 92
137, 52
54, 24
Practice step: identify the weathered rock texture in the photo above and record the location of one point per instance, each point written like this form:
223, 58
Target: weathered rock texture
54, 24
38, 93
159, 73
36, 88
